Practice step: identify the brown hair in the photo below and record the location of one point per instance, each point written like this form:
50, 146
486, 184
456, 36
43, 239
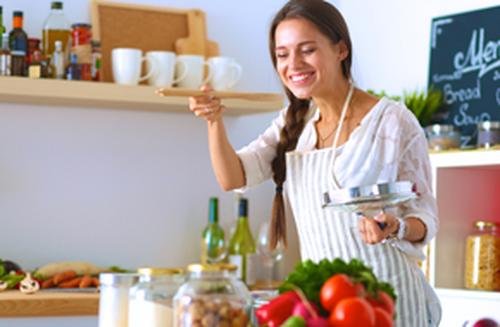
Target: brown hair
329, 22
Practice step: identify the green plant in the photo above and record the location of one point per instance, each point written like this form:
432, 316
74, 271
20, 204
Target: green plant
423, 104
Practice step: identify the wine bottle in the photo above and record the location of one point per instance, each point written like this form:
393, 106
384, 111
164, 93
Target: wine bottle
242, 246
213, 245
2, 27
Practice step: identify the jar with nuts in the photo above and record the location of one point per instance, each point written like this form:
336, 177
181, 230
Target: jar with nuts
211, 297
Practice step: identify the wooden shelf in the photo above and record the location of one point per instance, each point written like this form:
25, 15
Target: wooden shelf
13, 303
109, 95
468, 158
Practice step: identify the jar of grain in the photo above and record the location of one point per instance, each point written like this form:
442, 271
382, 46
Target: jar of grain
482, 257
212, 297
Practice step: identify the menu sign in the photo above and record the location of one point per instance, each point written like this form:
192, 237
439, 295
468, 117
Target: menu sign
465, 66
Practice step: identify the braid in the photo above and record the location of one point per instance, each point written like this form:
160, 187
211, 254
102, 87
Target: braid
289, 136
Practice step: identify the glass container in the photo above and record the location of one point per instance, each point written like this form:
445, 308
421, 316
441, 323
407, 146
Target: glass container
482, 257
488, 134
114, 298
212, 296
442, 137
55, 28
151, 300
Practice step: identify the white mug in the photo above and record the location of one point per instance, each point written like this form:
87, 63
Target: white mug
194, 68
226, 72
164, 62
127, 63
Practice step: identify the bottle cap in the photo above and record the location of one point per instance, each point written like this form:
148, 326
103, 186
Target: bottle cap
243, 207
198, 267
484, 223
56, 5
18, 13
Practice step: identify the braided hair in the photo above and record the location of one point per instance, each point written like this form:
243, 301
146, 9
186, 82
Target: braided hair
329, 22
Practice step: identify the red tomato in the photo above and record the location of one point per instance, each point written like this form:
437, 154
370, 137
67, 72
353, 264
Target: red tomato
352, 312
382, 318
384, 301
336, 288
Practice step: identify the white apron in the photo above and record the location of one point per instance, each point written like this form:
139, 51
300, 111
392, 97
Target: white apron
327, 233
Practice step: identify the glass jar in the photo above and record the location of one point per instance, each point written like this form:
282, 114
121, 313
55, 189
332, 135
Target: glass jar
114, 297
212, 296
482, 257
81, 36
151, 300
442, 137
488, 134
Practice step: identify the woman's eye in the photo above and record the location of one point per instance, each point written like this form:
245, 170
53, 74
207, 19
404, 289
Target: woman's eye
308, 50
281, 55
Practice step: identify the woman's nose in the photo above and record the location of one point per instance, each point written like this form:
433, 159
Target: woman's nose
295, 60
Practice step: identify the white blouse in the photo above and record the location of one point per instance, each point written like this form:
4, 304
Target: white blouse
388, 145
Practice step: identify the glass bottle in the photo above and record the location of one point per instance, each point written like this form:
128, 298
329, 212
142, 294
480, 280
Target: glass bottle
213, 244
57, 61
18, 43
5, 56
482, 257
55, 28
151, 300
2, 27
73, 69
114, 298
96, 61
212, 296
242, 246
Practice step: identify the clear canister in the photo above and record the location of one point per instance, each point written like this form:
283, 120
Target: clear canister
211, 297
482, 257
114, 297
151, 300
488, 134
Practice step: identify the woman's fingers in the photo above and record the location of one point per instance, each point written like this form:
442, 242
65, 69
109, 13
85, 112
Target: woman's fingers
370, 231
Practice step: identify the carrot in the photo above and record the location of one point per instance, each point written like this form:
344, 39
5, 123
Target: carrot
95, 281
71, 283
86, 281
64, 276
48, 283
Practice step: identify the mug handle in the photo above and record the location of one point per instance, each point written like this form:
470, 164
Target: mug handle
152, 69
210, 73
184, 71
237, 72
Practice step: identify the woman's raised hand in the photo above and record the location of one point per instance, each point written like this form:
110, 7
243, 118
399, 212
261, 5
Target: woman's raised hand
370, 230
206, 106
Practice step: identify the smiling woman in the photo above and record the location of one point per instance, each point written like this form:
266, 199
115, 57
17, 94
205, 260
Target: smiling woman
334, 135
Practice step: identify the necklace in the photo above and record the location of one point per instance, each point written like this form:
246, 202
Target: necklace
322, 139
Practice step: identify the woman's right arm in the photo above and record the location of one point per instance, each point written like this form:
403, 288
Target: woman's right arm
227, 166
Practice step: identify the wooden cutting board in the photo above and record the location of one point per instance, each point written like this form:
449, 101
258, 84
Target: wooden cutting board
196, 42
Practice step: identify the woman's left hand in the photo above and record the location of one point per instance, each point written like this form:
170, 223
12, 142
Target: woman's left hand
370, 230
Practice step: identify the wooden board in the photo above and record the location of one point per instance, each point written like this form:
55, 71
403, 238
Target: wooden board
16, 304
148, 28
259, 97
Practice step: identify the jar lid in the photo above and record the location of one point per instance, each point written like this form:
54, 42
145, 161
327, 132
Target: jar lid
438, 128
198, 267
81, 25
160, 271
489, 125
118, 279
484, 223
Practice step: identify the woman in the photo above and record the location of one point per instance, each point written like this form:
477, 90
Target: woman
329, 123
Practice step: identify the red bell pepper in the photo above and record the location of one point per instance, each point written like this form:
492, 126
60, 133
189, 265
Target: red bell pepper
278, 310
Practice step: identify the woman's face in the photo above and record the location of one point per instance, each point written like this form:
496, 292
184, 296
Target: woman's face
308, 63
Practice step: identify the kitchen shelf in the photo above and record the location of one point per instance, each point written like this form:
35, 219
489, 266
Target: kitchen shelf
13, 303
109, 95
467, 188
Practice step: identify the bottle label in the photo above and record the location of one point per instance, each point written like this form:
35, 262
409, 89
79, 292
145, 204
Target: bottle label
237, 260
247, 265
19, 53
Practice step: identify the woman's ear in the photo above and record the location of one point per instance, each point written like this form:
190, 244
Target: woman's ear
343, 51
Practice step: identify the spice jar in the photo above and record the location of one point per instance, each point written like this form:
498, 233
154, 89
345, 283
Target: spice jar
114, 297
482, 257
151, 300
212, 296
81, 36
442, 137
488, 134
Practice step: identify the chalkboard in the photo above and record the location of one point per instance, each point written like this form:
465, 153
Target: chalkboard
465, 66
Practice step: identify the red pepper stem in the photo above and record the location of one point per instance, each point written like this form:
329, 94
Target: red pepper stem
303, 298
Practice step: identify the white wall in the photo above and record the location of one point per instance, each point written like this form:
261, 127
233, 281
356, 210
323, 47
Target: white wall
130, 188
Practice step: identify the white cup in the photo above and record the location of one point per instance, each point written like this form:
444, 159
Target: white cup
127, 63
193, 66
164, 62
226, 72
